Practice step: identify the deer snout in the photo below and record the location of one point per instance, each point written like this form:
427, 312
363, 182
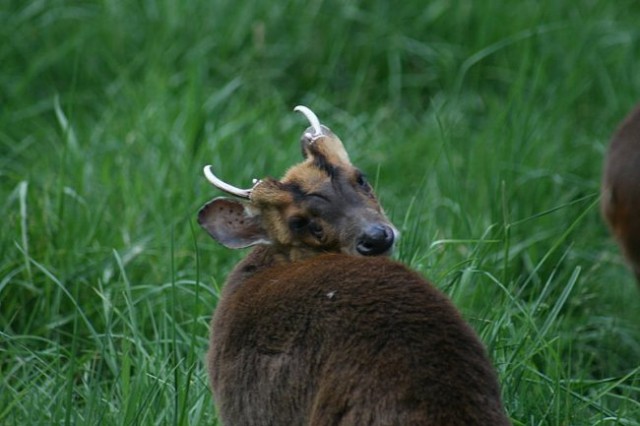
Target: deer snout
376, 239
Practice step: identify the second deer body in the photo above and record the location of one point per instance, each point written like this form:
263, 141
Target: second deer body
317, 327
621, 188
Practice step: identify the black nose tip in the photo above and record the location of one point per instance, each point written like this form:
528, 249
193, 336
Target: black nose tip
377, 239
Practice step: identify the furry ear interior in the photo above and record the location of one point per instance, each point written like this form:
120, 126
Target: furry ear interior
232, 223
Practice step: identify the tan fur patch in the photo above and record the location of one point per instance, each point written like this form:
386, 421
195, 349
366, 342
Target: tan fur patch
308, 177
270, 192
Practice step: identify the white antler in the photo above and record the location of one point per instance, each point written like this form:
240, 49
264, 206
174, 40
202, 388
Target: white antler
243, 193
313, 120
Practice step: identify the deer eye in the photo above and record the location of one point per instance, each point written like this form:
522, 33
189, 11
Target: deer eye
318, 196
361, 180
298, 223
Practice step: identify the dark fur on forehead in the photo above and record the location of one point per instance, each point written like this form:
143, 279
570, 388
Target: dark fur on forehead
321, 162
294, 188
297, 189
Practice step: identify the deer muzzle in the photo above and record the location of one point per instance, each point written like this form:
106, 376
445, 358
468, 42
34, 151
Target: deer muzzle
375, 240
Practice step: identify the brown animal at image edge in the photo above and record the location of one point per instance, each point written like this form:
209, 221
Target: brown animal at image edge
620, 201
316, 326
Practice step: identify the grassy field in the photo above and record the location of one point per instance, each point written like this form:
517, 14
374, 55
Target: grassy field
482, 124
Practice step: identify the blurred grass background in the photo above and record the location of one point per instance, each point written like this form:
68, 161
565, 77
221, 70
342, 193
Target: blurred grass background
482, 125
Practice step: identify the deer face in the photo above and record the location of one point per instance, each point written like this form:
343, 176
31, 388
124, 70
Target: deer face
323, 204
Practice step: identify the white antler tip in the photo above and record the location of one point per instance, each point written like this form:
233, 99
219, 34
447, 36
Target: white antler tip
218, 183
313, 120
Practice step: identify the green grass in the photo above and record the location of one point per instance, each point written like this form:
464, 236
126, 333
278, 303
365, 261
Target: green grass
482, 124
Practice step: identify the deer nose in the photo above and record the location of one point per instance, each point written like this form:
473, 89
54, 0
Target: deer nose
375, 240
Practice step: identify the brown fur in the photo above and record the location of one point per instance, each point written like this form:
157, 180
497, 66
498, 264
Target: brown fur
345, 340
620, 200
308, 333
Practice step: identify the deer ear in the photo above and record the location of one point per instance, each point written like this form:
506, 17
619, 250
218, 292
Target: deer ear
232, 223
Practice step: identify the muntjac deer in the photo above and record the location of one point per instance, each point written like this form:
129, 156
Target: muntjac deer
317, 327
620, 200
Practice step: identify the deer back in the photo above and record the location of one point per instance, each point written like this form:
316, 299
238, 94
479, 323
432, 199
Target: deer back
346, 340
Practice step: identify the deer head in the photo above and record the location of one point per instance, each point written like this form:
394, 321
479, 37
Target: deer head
323, 204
